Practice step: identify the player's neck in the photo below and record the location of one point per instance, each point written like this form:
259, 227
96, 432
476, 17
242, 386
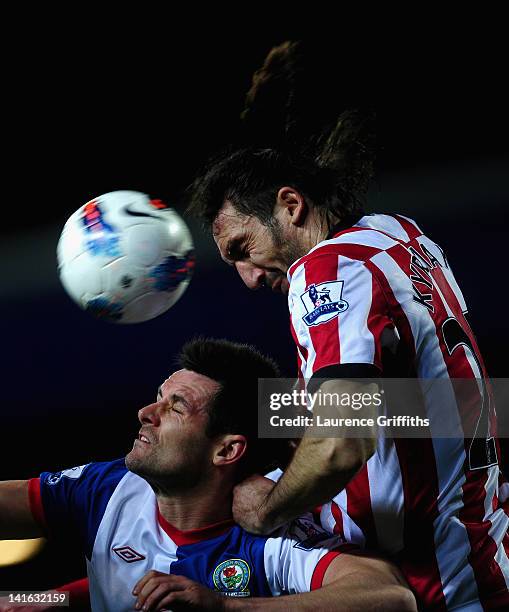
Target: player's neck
314, 231
196, 508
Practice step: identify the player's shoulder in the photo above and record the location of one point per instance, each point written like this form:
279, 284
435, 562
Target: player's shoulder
104, 472
395, 226
357, 244
301, 534
305, 534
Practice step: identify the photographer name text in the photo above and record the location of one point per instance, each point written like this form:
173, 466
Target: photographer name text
319, 421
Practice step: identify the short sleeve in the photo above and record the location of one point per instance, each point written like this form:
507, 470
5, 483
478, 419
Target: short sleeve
338, 314
72, 502
275, 475
296, 561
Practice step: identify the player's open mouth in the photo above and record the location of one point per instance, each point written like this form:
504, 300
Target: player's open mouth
142, 438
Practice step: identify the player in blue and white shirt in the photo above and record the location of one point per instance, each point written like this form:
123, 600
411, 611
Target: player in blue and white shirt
156, 527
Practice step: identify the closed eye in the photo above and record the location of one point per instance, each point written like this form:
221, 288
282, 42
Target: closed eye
178, 403
235, 250
175, 402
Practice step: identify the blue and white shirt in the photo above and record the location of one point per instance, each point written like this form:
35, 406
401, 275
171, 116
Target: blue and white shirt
114, 515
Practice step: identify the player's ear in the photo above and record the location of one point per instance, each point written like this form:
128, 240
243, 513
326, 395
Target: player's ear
293, 204
229, 449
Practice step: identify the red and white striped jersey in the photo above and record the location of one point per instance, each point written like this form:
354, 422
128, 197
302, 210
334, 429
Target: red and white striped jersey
382, 287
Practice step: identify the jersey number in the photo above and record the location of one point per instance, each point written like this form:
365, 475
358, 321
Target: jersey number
482, 452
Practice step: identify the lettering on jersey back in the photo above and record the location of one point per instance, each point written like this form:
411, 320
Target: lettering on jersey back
421, 264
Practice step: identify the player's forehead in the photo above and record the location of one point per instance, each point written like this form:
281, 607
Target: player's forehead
196, 388
231, 228
229, 223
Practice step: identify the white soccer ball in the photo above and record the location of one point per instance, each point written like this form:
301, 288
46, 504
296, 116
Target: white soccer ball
124, 257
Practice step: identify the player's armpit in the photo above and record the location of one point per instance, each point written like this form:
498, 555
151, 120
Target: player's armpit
17, 521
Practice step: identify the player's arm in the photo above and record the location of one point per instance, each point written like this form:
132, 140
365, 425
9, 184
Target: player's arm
351, 583
79, 595
17, 521
79, 599
343, 359
320, 468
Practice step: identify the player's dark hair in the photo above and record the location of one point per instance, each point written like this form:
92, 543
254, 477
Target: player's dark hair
293, 140
234, 409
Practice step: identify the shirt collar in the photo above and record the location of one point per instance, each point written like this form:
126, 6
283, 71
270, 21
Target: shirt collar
191, 536
346, 223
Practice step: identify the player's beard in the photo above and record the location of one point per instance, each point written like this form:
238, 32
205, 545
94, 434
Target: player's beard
166, 476
289, 249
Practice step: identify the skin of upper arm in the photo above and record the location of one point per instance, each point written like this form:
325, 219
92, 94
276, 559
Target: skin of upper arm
351, 450
344, 565
16, 518
354, 573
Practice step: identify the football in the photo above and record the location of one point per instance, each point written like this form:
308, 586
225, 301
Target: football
124, 257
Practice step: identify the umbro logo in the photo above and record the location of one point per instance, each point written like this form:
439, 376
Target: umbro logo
127, 554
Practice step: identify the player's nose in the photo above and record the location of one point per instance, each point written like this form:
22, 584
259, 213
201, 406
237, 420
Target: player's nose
149, 415
252, 276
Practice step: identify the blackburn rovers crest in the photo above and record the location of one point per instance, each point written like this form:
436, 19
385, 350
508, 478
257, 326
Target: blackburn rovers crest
323, 302
232, 577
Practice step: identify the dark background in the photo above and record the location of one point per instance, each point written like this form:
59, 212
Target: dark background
126, 107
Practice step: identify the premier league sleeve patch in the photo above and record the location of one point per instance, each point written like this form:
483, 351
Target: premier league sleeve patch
72, 473
231, 577
306, 534
323, 302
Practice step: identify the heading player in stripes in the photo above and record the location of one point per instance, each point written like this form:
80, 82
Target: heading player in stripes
369, 295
